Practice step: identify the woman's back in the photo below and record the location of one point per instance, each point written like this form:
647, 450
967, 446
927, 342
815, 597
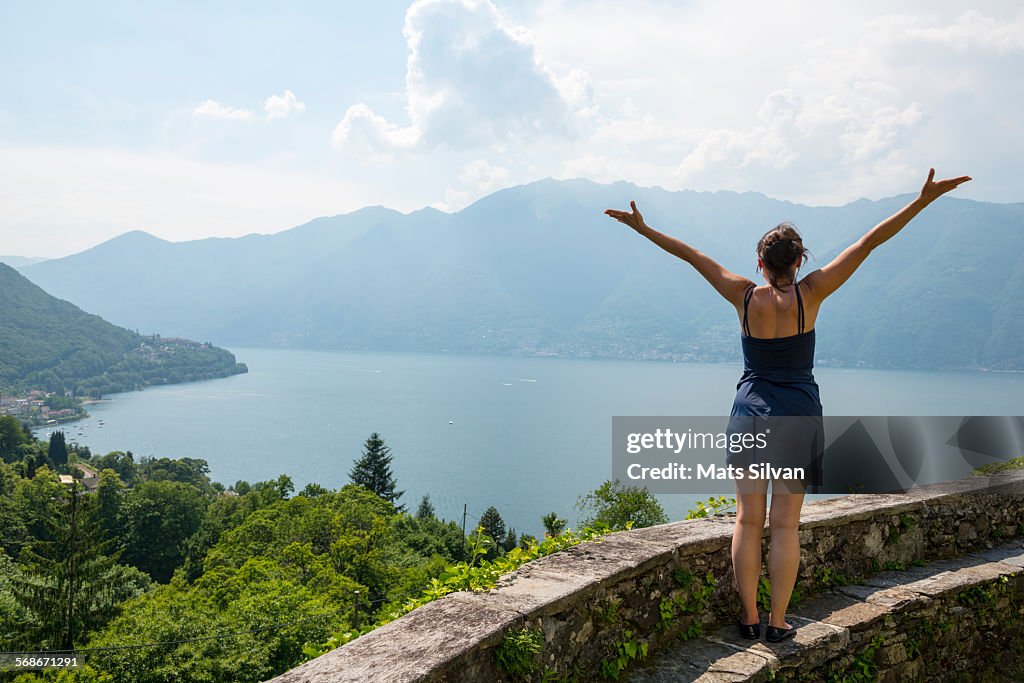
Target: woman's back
777, 374
772, 312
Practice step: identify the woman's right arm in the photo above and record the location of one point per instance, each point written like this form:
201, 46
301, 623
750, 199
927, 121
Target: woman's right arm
829, 278
730, 285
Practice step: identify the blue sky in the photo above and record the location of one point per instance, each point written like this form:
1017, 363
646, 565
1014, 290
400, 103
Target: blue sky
197, 119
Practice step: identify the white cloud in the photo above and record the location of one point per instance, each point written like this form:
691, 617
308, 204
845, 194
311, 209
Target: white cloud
282, 106
813, 103
483, 176
454, 200
794, 134
472, 80
372, 134
216, 110
972, 30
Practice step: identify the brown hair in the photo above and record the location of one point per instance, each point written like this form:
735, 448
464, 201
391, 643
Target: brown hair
780, 250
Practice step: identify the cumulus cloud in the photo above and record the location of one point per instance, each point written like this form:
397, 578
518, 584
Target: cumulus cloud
794, 132
472, 80
372, 134
480, 177
282, 106
454, 200
834, 103
216, 110
484, 176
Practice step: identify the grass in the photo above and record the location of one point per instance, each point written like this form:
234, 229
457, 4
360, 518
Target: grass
994, 467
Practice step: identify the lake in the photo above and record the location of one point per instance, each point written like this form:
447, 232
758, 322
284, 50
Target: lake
527, 435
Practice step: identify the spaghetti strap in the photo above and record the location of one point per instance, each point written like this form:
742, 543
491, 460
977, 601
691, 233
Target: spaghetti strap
800, 309
746, 302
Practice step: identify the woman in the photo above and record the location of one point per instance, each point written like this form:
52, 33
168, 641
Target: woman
777, 335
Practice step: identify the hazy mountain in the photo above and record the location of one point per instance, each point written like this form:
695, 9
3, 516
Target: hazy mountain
539, 269
50, 344
19, 261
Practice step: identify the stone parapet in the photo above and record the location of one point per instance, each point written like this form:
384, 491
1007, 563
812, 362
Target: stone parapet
600, 605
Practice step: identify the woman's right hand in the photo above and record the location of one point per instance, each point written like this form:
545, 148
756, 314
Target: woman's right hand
932, 189
631, 218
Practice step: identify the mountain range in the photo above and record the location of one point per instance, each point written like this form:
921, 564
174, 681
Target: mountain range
538, 269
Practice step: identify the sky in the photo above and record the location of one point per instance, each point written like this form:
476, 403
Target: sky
196, 119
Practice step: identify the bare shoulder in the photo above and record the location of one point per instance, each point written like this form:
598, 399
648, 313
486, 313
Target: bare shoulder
810, 284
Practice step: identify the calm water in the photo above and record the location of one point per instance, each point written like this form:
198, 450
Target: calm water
527, 435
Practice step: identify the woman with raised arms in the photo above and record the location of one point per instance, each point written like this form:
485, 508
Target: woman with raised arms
777, 335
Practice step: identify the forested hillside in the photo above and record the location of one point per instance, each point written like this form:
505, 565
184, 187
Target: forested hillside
153, 573
52, 345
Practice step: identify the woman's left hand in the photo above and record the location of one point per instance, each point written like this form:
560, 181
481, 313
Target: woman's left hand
632, 219
933, 189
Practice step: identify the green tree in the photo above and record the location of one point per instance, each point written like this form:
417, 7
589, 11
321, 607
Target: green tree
494, 527
275, 489
526, 540
614, 504
183, 470
13, 617
373, 471
33, 503
12, 526
122, 462
70, 582
429, 536
58, 449
159, 517
110, 497
426, 508
313, 489
553, 524
510, 541
12, 436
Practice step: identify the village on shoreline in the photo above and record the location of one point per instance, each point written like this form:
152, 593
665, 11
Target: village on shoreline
37, 408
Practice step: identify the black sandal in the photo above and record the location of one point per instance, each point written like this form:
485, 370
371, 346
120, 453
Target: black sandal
776, 634
749, 631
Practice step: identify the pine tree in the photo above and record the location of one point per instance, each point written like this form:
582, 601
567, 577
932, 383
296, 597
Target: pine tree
58, 450
494, 526
109, 501
511, 540
69, 582
373, 471
426, 509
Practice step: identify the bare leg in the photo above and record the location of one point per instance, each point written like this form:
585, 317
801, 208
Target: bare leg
784, 551
746, 544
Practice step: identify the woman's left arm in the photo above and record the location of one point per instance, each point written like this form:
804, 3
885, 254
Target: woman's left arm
730, 285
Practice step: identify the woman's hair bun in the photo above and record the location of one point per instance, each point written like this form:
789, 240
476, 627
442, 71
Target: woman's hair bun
781, 250
782, 253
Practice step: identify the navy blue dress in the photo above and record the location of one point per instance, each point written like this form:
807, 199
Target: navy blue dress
778, 381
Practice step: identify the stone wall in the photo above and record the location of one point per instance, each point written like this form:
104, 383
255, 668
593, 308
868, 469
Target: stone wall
601, 605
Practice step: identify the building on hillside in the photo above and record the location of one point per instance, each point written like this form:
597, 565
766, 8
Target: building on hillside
90, 477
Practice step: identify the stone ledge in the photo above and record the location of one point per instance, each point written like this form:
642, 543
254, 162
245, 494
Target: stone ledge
834, 621
446, 631
630, 575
